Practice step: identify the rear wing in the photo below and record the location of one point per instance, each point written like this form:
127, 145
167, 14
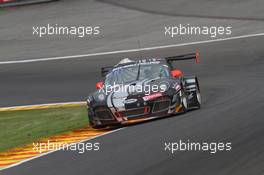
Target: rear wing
188, 56
105, 70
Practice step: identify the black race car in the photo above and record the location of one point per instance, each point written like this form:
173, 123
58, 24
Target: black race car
141, 90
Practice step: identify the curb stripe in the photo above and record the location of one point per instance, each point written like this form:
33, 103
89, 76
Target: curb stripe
27, 152
10, 165
43, 106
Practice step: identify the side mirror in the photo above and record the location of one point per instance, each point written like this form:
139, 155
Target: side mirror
99, 85
176, 73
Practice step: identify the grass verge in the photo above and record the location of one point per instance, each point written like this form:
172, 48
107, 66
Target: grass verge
18, 128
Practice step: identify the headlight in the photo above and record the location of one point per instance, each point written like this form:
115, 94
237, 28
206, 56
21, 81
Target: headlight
101, 97
164, 86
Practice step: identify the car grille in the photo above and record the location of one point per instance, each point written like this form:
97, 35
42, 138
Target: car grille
161, 105
104, 114
135, 112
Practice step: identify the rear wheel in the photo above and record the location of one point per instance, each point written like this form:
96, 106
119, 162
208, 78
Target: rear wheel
184, 101
197, 98
193, 92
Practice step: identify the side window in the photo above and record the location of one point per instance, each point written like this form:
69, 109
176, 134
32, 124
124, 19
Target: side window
165, 71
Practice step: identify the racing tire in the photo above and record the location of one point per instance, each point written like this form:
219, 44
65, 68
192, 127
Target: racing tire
94, 126
197, 98
98, 127
92, 123
184, 101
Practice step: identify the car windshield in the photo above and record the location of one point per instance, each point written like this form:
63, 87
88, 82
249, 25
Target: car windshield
132, 73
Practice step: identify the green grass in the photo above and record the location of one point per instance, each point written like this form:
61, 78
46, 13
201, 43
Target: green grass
18, 128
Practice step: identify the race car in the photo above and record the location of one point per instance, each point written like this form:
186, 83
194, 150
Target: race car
141, 90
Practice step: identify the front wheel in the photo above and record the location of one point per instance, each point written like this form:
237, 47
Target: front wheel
96, 126
92, 122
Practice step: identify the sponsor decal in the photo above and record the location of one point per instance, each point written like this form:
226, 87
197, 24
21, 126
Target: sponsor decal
152, 96
129, 101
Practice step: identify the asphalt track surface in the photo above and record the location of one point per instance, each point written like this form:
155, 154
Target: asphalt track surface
231, 78
121, 27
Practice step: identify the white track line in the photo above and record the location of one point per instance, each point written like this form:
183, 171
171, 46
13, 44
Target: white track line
130, 50
58, 150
